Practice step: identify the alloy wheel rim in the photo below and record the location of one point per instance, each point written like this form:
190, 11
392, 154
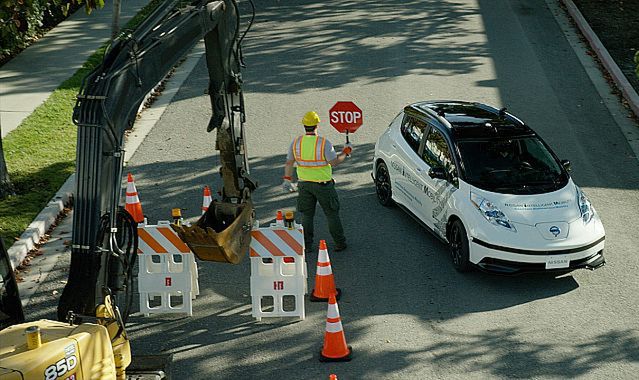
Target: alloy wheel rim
455, 245
382, 185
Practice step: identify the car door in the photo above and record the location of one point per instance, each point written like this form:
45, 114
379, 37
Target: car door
408, 186
436, 152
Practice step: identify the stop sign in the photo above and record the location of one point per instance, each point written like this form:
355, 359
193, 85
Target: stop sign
345, 116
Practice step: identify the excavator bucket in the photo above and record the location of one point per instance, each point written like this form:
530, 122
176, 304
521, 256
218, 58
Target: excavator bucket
222, 234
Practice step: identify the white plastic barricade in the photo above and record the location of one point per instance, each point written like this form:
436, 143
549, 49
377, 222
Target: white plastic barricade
167, 276
278, 272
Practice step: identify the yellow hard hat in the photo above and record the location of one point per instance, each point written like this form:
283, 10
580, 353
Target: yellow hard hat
311, 119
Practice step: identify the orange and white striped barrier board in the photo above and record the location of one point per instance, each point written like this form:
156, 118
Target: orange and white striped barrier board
278, 272
277, 242
167, 277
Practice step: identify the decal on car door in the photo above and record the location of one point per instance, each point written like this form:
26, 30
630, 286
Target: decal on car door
399, 168
443, 192
436, 153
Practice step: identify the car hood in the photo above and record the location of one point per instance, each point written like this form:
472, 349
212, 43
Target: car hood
557, 206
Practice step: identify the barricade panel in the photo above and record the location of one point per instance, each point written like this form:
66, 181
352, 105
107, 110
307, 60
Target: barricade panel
278, 272
168, 277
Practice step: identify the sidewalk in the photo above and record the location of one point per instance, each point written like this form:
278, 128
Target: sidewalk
28, 79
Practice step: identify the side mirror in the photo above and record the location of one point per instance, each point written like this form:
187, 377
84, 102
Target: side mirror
437, 173
566, 165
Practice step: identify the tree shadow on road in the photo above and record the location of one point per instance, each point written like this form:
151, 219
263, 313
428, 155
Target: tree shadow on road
307, 45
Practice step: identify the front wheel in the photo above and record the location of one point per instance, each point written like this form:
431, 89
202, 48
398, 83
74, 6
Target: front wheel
383, 185
458, 244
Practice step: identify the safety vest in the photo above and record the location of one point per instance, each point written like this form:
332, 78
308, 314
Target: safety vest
312, 166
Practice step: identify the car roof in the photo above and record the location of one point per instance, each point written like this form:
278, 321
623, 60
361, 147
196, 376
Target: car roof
471, 120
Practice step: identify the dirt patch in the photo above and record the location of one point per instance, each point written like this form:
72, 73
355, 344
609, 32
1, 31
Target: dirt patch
616, 23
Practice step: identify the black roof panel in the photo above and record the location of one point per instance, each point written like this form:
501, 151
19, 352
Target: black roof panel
475, 120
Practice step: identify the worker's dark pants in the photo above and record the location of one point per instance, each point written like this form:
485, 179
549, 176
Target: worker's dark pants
309, 194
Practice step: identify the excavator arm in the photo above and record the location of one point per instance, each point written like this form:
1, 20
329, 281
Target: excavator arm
104, 239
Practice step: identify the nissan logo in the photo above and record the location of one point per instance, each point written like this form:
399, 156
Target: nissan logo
555, 230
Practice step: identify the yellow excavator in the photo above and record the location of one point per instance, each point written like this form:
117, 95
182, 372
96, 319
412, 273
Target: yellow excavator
89, 340
52, 350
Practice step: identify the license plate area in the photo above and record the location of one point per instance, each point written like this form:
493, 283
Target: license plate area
557, 262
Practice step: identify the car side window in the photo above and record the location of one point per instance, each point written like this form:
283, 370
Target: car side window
413, 132
437, 152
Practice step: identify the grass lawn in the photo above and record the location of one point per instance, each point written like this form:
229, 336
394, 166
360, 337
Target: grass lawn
40, 153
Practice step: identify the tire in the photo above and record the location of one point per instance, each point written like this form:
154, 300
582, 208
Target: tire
458, 244
383, 185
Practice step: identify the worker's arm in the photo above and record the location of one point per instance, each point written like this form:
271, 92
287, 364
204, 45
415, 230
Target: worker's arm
288, 169
339, 159
288, 184
341, 156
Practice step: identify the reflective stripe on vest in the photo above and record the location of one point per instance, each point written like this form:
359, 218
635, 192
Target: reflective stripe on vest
308, 151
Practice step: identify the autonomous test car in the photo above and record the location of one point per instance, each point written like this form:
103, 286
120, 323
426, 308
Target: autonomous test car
485, 183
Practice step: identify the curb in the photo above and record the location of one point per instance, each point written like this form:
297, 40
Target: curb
615, 72
43, 221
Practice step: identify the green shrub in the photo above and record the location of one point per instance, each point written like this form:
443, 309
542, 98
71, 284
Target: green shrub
21, 21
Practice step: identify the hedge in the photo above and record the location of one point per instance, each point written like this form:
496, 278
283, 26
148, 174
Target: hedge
23, 21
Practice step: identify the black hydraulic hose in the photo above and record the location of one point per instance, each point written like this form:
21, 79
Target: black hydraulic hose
151, 21
239, 43
235, 34
122, 263
250, 23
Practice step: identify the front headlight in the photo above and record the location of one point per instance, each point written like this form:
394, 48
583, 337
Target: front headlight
491, 212
585, 207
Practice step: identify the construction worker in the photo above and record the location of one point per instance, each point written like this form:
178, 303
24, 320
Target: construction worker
315, 156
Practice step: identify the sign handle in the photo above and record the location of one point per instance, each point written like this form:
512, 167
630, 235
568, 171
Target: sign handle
348, 155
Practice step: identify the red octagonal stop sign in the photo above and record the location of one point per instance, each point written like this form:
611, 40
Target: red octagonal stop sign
345, 116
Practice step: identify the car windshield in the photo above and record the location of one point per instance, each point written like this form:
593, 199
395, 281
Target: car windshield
511, 166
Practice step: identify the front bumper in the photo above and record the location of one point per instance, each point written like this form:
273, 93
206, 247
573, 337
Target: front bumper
506, 260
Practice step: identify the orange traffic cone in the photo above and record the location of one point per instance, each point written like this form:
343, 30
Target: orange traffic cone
324, 279
206, 199
279, 219
332, 376
133, 205
335, 348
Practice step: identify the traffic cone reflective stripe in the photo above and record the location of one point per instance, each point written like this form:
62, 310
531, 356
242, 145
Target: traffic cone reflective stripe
324, 279
323, 263
333, 321
133, 205
335, 348
206, 199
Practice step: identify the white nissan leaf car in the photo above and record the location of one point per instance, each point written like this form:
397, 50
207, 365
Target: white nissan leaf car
485, 183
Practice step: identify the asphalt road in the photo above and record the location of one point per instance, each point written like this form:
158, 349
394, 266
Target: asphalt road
406, 311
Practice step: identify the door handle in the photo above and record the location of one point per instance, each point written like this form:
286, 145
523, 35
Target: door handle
419, 169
